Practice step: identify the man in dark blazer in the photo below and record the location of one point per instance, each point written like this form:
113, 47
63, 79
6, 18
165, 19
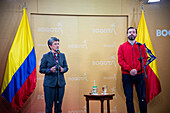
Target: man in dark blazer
54, 65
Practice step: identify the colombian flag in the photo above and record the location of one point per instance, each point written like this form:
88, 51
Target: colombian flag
153, 86
20, 74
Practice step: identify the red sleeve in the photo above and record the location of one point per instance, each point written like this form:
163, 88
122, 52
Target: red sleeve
121, 60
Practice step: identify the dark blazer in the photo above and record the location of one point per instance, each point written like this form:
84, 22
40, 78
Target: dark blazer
48, 61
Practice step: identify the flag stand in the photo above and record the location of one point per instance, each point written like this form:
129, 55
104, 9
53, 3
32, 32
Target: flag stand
142, 63
58, 101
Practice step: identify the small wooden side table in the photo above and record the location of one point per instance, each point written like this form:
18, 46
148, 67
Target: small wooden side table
100, 97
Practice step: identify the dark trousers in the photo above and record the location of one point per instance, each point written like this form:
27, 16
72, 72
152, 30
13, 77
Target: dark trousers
128, 82
50, 94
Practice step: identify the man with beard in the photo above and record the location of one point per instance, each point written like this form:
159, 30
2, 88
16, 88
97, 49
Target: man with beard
132, 73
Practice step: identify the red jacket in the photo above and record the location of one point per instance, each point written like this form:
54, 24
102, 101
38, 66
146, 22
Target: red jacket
128, 57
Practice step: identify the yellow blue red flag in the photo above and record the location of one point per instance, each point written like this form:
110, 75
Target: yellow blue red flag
153, 87
20, 74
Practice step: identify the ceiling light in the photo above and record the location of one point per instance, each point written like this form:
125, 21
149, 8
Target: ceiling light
151, 1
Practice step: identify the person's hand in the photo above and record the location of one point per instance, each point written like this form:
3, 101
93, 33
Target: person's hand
133, 72
53, 69
62, 70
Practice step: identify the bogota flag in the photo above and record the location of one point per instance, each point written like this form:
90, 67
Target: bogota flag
153, 86
20, 74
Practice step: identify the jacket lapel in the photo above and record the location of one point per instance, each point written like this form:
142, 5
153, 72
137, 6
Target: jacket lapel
51, 56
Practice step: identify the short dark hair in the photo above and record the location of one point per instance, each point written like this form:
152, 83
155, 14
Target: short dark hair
131, 28
51, 40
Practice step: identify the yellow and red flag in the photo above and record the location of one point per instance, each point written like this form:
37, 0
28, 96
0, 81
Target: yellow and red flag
153, 87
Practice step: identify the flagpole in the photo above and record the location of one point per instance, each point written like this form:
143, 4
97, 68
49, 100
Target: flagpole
24, 6
142, 64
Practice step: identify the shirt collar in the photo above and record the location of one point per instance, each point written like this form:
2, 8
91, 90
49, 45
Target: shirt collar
131, 42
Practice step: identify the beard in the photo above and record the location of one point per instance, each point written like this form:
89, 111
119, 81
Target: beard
131, 37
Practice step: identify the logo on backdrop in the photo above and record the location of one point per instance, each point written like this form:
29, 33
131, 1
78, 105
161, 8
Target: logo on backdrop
40, 77
42, 45
163, 32
83, 45
83, 110
112, 77
110, 29
78, 78
105, 63
112, 45
57, 29
40, 97
113, 90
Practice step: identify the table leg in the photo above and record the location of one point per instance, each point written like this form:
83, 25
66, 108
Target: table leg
87, 101
108, 106
102, 111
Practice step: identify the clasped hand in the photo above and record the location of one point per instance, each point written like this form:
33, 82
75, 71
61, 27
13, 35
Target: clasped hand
133, 72
53, 69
